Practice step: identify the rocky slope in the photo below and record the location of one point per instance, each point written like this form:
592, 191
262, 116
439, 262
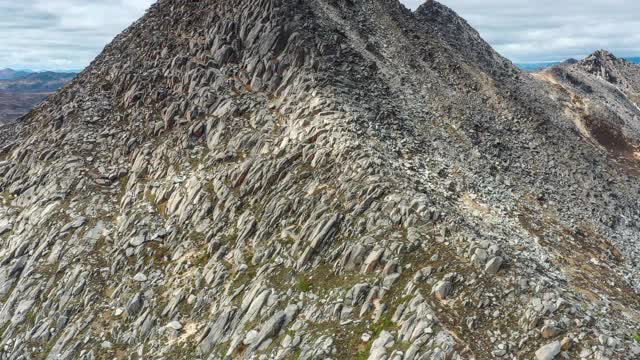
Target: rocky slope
309, 180
602, 94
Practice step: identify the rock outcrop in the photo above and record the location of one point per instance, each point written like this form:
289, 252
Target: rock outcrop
316, 179
602, 94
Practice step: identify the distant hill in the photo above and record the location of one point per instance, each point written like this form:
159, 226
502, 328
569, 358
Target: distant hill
546, 65
20, 91
611, 87
536, 66
14, 105
8, 74
36, 82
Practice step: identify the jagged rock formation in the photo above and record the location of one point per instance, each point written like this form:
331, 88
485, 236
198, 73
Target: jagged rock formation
309, 180
619, 72
602, 94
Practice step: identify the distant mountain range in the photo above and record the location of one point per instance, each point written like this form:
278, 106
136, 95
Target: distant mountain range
35, 82
8, 74
544, 65
21, 90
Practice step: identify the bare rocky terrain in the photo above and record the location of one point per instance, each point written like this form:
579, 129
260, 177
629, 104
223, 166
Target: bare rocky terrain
321, 179
602, 94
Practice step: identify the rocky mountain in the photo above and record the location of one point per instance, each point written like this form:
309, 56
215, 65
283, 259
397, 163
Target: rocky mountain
602, 94
21, 91
320, 179
619, 72
546, 65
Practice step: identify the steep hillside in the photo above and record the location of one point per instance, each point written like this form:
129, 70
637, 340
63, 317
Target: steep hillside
314, 179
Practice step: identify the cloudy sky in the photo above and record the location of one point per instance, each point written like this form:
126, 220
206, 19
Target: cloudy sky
61, 34
68, 34
551, 30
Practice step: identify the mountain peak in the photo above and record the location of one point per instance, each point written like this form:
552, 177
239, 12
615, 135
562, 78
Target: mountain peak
608, 67
435, 8
444, 25
8, 74
602, 55
314, 179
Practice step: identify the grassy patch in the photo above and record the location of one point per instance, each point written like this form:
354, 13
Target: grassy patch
362, 355
304, 285
384, 323
245, 277
280, 278
150, 196
123, 185
230, 238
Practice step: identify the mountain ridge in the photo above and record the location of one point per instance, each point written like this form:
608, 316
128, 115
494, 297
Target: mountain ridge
44, 82
7, 74
604, 94
312, 180
533, 66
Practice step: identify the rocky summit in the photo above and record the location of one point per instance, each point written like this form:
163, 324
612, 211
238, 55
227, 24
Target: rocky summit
602, 94
322, 179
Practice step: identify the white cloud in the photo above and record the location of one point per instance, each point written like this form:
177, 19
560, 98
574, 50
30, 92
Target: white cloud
548, 30
61, 34
68, 34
